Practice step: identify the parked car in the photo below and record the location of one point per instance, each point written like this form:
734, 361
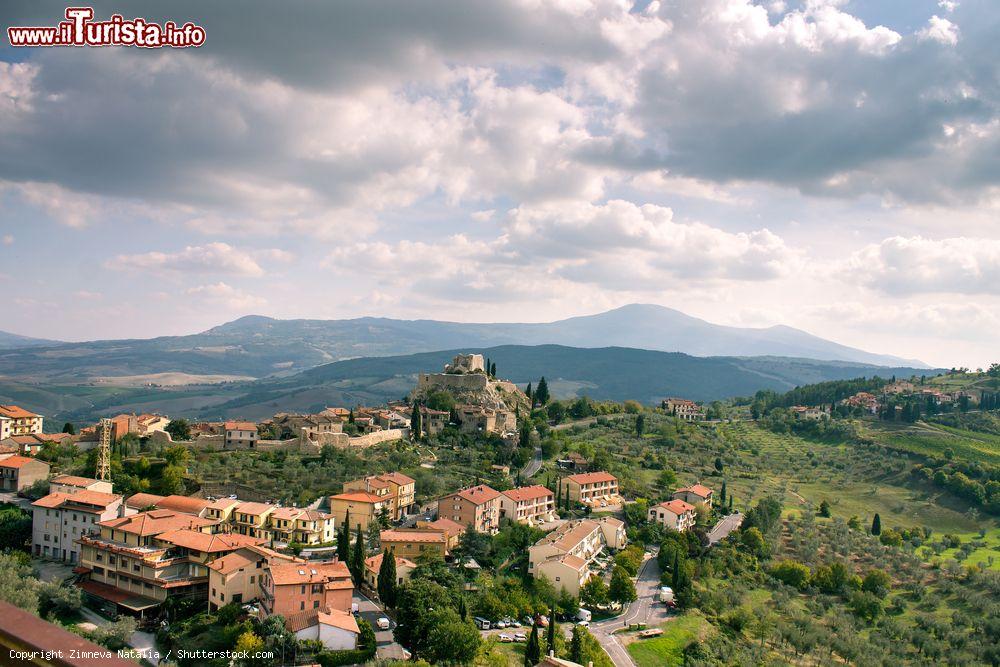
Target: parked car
500, 624
514, 624
383, 623
520, 637
505, 638
584, 624
584, 615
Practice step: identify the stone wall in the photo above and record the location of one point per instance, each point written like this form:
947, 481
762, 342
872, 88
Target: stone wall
471, 382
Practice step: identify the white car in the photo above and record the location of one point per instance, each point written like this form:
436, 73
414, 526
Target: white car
520, 637
500, 624
382, 623
505, 638
585, 624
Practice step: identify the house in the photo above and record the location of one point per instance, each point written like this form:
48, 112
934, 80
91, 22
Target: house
288, 425
867, 402
528, 504
149, 424
451, 529
433, 422
694, 494
15, 420
288, 588
235, 577
673, 514
70, 484
399, 488
137, 562
122, 425
477, 506
564, 555
221, 509
337, 630
593, 488
181, 504
360, 508
240, 435
804, 412
19, 472
412, 543
479, 419
574, 461
683, 409
60, 518
404, 568
293, 524
252, 519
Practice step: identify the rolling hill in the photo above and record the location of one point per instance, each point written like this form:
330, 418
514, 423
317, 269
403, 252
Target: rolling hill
9, 341
258, 347
614, 373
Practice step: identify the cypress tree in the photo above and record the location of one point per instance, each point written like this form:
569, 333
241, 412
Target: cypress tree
877, 525
357, 564
493, 369
533, 651
552, 628
344, 539
542, 393
416, 426
527, 392
386, 584
576, 645
675, 571
722, 494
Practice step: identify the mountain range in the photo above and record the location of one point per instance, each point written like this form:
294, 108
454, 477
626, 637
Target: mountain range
259, 347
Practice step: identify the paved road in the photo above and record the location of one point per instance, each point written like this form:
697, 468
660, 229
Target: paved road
643, 610
533, 466
14, 499
388, 649
724, 527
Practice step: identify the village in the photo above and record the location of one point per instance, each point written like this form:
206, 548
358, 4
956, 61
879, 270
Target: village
314, 566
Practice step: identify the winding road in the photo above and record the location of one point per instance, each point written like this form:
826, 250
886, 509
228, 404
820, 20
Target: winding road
643, 610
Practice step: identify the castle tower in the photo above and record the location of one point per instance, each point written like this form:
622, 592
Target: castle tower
104, 450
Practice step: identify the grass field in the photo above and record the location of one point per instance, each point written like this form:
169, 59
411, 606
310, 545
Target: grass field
668, 648
933, 439
987, 555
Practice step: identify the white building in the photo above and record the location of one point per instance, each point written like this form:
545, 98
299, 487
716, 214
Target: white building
60, 518
70, 484
241, 435
337, 630
528, 504
673, 514
564, 555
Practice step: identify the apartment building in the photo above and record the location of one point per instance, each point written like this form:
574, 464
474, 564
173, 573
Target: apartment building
564, 555
595, 489
240, 435
528, 504
252, 519
477, 506
360, 508
289, 588
293, 524
414, 542
15, 420
673, 514
60, 518
137, 562
221, 509
236, 577
19, 472
694, 494
399, 488
182, 504
70, 484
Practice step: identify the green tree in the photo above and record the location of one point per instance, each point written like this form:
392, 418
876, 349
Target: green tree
416, 426
718, 463
542, 392
824, 509
17, 584
791, 573
621, 590
533, 651
450, 639
594, 592
69, 428
640, 425
386, 583
357, 563
576, 645
722, 494
877, 525
877, 582
344, 539
179, 429
551, 638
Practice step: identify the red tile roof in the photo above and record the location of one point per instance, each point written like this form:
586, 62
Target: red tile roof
678, 507
528, 493
18, 462
96, 499
697, 489
240, 426
413, 535
309, 572
476, 495
15, 412
360, 497
208, 542
592, 477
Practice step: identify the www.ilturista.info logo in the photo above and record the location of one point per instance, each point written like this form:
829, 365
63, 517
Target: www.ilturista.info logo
79, 29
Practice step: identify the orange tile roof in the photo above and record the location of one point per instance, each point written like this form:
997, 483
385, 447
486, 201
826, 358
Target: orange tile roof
142, 500
306, 573
325, 616
230, 563
413, 535
184, 504
73, 480
18, 461
15, 412
208, 542
450, 528
528, 493
678, 507
240, 426
398, 477
374, 563
95, 499
155, 522
592, 477
287, 513
476, 495
360, 497
255, 509
223, 503
698, 489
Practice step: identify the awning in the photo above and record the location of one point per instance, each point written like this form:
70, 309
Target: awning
118, 596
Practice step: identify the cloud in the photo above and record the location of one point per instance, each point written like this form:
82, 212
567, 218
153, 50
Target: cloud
227, 296
7, 239
965, 321
219, 258
940, 30
902, 266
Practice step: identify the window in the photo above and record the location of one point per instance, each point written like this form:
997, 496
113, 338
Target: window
302, 605
303, 589
252, 578
213, 591
315, 604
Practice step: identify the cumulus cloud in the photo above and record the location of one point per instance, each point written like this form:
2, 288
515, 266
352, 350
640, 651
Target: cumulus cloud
912, 265
964, 321
209, 258
940, 30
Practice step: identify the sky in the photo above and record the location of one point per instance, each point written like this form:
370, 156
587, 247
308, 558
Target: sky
831, 166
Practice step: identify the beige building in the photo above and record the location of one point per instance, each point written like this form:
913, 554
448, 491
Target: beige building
252, 519
137, 562
397, 487
60, 518
70, 484
595, 489
564, 555
528, 504
240, 435
673, 514
15, 420
412, 543
477, 506
151, 423
433, 422
291, 524
404, 568
360, 508
235, 577
694, 494
683, 409
19, 472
